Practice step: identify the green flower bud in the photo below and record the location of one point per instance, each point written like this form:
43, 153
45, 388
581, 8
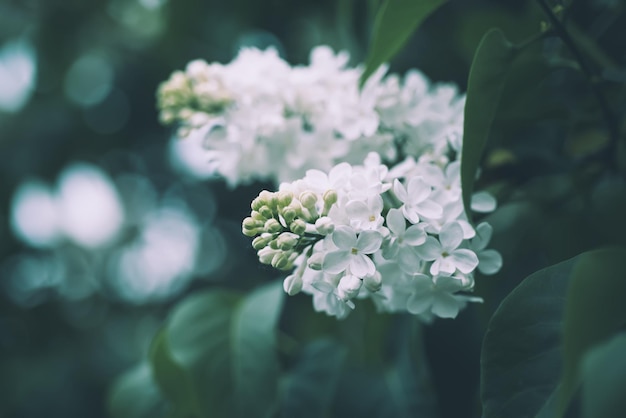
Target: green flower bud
249, 223
324, 225
272, 226
330, 197
256, 204
266, 212
298, 227
266, 255
293, 284
284, 198
274, 245
316, 261
373, 283
281, 260
289, 215
308, 199
287, 240
257, 216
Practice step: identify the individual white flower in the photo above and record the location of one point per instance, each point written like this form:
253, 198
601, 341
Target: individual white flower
415, 200
445, 253
436, 296
489, 261
352, 252
402, 242
365, 215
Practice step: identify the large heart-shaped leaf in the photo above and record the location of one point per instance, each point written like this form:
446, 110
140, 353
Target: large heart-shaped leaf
490, 65
395, 21
226, 342
521, 355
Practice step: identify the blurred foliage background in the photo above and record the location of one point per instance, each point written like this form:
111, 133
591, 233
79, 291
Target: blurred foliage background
77, 112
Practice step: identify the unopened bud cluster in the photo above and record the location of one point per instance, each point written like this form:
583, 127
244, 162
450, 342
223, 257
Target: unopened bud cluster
283, 225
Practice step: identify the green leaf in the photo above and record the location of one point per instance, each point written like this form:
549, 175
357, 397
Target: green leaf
490, 65
311, 386
395, 21
226, 342
174, 381
594, 311
521, 355
604, 380
135, 395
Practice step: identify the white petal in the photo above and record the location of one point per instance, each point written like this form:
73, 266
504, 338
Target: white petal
490, 262
399, 190
448, 284
410, 214
444, 266
468, 230
344, 237
429, 209
357, 210
417, 190
396, 222
361, 265
408, 260
336, 262
419, 302
446, 305
451, 236
369, 242
483, 236
415, 235
430, 249
483, 202
465, 260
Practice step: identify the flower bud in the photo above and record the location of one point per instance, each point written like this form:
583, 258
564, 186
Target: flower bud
330, 197
268, 198
324, 225
316, 261
249, 223
256, 203
272, 226
289, 215
293, 284
261, 241
281, 260
287, 240
349, 287
284, 198
258, 217
308, 199
298, 227
266, 212
273, 244
373, 283
266, 255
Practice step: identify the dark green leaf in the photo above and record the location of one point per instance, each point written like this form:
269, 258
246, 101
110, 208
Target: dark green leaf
491, 63
521, 355
136, 395
311, 385
226, 342
174, 381
594, 311
604, 380
395, 22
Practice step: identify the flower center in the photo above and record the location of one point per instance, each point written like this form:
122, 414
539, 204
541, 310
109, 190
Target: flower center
445, 254
354, 251
372, 218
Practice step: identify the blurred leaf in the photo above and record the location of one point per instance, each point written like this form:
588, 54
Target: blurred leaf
136, 395
491, 63
173, 380
311, 386
521, 356
594, 310
604, 380
226, 342
399, 388
395, 23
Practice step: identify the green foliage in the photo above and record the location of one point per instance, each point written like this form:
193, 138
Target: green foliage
604, 377
594, 310
540, 334
310, 387
488, 72
395, 22
521, 356
226, 343
135, 395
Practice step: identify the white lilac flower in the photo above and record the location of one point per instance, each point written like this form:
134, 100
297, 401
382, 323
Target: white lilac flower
342, 244
445, 253
489, 261
415, 200
352, 252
